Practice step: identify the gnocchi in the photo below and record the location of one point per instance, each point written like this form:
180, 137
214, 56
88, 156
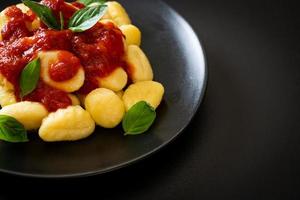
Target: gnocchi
50, 57
117, 13
7, 95
106, 108
30, 114
149, 91
63, 82
72, 123
132, 34
116, 81
138, 64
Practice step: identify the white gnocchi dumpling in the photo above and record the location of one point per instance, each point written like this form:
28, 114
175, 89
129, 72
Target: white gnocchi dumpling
30, 114
50, 57
7, 92
69, 124
117, 13
138, 64
150, 91
106, 108
115, 81
132, 34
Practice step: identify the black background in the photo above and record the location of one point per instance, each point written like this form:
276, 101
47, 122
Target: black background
244, 141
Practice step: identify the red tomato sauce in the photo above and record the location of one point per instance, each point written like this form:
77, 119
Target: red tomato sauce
16, 28
99, 50
66, 67
78, 4
51, 98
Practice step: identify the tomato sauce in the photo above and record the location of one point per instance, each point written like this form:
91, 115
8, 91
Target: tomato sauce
78, 4
16, 28
99, 50
50, 97
66, 67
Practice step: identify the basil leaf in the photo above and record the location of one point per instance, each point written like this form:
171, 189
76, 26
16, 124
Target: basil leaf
30, 77
86, 18
138, 119
44, 13
88, 2
62, 20
12, 130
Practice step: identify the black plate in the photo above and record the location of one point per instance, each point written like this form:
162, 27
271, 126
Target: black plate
178, 62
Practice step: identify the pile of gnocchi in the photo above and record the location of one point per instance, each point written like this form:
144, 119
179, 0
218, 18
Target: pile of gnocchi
64, 112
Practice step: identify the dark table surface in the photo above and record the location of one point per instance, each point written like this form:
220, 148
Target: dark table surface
244, 140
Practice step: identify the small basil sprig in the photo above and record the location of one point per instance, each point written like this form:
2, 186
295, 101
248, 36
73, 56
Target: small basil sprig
88, 2
11, 130
30, 77
139, 118
87, 17
44, 13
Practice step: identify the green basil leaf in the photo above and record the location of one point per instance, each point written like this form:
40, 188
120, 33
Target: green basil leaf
44, 13
11, 130
30, 77
62, 20
86, 18
138, 119
88, 2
